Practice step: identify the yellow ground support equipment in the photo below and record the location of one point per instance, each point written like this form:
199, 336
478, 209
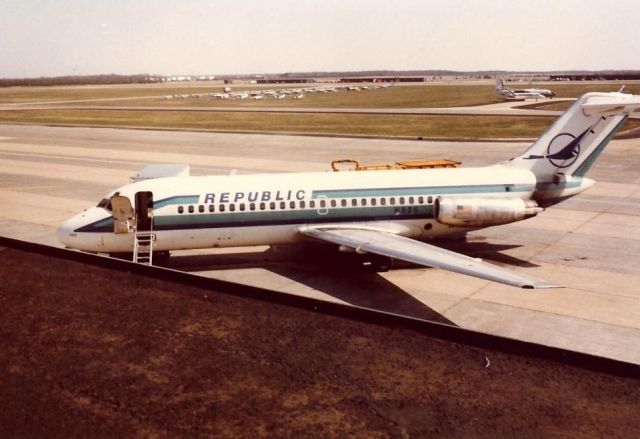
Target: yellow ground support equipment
355, 165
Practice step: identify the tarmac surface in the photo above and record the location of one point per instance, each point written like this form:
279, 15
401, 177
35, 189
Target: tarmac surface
590, 244
101, 353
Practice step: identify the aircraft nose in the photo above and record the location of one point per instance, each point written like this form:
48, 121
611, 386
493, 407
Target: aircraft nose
65, 233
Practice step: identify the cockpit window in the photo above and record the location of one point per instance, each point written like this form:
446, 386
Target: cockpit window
105, 203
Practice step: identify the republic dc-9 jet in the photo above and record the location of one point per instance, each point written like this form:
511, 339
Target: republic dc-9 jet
383, 214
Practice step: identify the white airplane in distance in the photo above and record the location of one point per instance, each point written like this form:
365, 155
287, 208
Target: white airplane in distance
522, 93
385, 214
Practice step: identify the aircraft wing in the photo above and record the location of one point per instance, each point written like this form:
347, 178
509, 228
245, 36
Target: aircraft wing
410, 250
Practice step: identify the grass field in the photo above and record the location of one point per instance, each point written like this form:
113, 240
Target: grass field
16, 95
347, 124
413, 96
402, 96
394, 97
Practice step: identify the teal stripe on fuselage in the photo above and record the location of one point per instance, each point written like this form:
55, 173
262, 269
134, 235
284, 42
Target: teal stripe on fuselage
290, 217
178, 199
421, 190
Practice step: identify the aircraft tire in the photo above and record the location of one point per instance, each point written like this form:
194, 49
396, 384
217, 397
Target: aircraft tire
381, 264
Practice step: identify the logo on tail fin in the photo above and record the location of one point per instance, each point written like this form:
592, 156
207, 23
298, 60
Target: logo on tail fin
563, 150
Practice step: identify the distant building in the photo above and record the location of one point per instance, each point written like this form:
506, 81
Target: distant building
285, 81
596, 76
382, 79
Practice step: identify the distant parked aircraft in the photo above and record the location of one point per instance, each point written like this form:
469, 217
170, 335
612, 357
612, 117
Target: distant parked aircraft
522, 93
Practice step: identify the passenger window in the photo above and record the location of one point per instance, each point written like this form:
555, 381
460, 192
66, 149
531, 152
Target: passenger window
272, 205
411, 200
392, 201
401, 200
283, 205
252, 206
383, 201
241, 205
292, 204
323, 203
302, 204
430, 199
191, 209
262, 206
420, 200
354, 202
212, 208
363, 201
222, 208
312, 204
180, 209
343, 203
201, 208
373, 201
333, 203
232, 207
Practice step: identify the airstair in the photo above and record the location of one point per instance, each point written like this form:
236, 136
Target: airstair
143, 247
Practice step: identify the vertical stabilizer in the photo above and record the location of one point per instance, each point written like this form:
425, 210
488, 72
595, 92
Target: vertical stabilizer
571, 145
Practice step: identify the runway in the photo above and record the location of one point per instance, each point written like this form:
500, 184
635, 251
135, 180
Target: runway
590, 244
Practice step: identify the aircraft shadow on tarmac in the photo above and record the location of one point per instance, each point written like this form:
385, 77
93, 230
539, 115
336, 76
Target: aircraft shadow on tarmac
321, 268
487, 251
341, 275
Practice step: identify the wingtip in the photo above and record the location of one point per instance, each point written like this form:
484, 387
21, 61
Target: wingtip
540, 286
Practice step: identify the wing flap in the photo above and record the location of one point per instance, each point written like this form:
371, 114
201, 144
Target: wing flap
410, 250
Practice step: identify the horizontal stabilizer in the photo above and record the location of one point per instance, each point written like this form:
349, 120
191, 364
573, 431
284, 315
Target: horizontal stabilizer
612, 103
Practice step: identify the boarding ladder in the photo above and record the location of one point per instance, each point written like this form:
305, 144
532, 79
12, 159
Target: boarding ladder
143, 247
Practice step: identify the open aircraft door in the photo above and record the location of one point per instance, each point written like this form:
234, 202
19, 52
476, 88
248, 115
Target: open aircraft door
144, 211
123, 215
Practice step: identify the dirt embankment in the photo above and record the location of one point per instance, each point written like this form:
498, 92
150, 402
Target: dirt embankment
90, 352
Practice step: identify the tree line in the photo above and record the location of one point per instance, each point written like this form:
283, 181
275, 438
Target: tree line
79, 80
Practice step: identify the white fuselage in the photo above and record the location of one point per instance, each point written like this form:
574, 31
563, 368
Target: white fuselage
244, 210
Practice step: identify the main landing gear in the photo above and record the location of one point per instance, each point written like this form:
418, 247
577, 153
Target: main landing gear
379, 264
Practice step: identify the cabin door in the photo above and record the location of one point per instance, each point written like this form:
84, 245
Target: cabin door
144, 211
123, 215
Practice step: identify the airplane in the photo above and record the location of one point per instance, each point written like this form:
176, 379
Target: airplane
382, 214
522, 94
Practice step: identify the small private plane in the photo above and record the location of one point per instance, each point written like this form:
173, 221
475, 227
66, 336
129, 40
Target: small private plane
383, 214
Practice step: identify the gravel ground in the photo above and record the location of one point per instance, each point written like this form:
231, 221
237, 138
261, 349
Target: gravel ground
92, 352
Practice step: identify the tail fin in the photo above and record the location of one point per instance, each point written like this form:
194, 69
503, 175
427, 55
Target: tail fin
499, 84
571, 145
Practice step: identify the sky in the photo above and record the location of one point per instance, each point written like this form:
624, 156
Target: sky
176, 37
